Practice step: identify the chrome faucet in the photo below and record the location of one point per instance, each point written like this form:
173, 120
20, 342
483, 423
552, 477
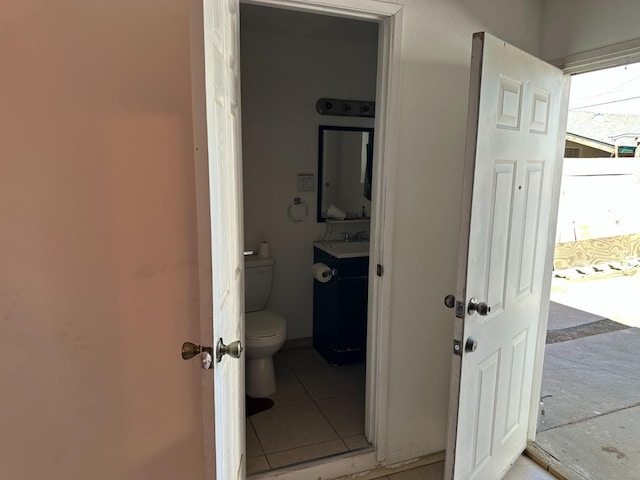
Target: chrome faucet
361, 235
356, 237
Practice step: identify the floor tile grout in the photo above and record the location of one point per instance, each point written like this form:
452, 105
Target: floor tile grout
313, 400
257, 436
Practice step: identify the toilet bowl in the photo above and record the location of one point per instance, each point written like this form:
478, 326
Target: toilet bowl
265, 331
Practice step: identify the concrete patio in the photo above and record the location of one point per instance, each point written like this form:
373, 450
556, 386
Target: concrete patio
592, 378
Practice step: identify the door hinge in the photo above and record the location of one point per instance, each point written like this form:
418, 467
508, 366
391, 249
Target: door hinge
459, 309
379, 270
457, 347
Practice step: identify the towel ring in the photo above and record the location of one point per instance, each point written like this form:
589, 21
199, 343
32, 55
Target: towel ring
298, 210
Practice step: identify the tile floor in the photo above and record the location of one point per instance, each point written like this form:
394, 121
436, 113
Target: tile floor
318, 411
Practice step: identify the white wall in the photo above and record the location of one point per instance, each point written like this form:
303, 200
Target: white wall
435, 70
435, 78
98, 267
612, 212
283, 75
575, 26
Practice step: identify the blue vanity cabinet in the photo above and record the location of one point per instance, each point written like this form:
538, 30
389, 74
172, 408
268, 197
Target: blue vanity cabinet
340, 309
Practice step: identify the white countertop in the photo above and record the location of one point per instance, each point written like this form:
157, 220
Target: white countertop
340, 249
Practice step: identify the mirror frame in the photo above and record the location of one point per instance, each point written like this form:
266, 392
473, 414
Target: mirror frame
321, 130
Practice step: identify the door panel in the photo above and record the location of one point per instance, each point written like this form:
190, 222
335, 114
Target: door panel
528, 240
498, 240
511, 152
220, 26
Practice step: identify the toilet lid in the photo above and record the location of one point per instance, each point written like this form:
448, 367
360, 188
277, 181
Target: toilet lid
264, 324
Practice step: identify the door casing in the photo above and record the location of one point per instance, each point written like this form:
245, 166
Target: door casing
389, 17
589, 61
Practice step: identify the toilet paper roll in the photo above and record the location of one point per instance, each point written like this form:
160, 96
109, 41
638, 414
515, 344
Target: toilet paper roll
321, 272
263, 250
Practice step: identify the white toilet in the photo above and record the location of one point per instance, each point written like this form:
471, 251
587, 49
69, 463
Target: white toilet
265, 332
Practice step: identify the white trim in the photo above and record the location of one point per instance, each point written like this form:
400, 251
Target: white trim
379, 314
385, 160
362, 9
600, 58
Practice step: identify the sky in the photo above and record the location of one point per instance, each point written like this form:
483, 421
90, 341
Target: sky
614, 90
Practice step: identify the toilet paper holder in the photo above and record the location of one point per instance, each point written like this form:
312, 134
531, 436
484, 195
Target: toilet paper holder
323, 273
333, 272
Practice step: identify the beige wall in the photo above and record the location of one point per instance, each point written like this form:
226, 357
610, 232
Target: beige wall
98, 277
586, 151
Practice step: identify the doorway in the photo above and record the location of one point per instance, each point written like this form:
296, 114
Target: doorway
590, 389
290, 59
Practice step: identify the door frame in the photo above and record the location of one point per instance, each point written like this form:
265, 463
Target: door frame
591, 60
389, 17
463, 249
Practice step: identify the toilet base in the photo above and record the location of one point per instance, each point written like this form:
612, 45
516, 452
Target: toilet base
260, 377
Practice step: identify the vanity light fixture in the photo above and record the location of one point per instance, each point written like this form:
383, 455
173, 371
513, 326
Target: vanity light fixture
345, 108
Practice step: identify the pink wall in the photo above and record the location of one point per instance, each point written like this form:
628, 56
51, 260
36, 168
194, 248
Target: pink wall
98, 265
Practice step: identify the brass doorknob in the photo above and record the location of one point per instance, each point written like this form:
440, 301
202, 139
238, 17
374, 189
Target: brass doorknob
190, 350
234, 349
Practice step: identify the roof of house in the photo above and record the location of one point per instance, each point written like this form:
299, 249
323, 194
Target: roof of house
607, 128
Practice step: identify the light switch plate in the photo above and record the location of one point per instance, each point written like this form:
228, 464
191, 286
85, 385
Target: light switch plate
305, 182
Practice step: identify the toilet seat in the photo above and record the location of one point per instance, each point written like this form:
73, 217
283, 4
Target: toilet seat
264, 324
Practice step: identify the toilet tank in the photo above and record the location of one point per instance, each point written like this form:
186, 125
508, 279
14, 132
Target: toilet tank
258, 274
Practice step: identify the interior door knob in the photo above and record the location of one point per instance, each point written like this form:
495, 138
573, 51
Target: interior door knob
450, 301
471, 345
234, 349
190, 350
481, 307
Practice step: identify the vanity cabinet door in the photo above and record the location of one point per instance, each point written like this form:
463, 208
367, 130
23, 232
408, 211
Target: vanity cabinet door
340, 310
351, 327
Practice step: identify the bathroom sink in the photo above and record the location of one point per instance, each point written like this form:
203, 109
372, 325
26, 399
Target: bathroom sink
344, 249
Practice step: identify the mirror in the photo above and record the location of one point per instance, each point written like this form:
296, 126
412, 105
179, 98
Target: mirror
345, 163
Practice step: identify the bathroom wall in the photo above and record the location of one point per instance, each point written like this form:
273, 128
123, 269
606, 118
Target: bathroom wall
288, 61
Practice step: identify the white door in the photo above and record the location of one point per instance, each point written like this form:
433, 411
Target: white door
220, 226
513, 155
